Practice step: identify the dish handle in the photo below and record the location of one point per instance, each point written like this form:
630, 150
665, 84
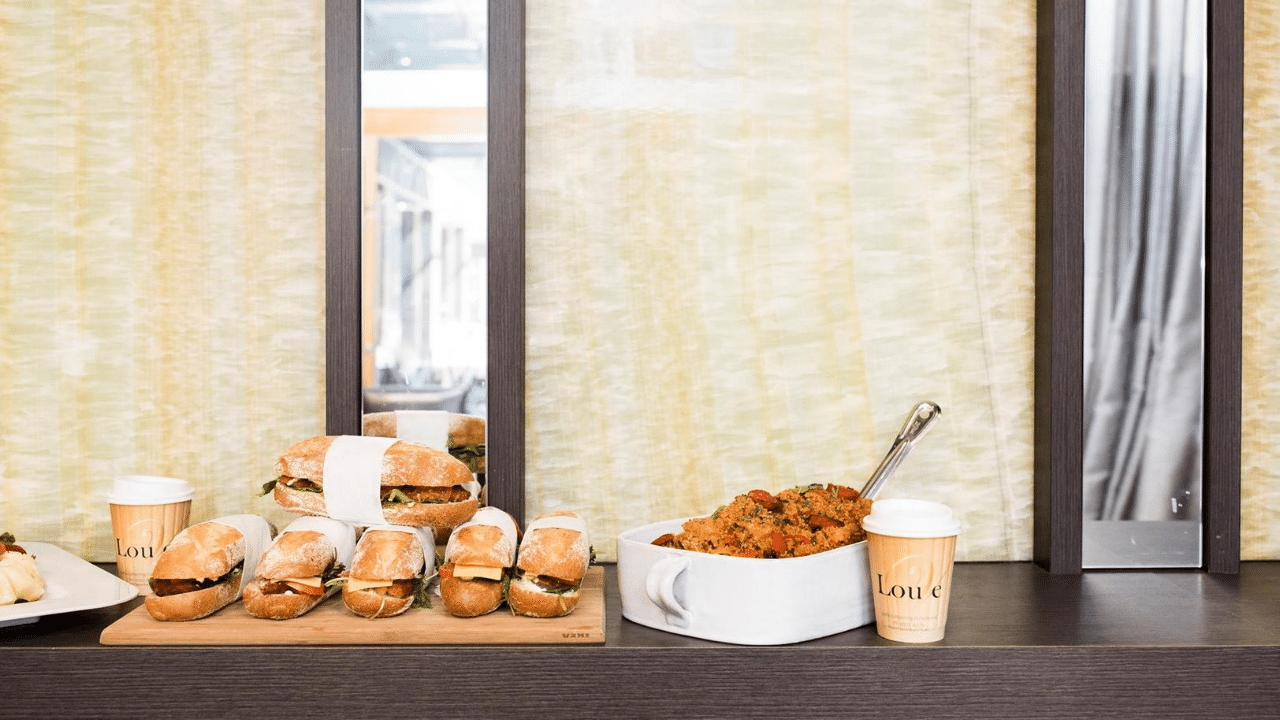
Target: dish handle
660, 584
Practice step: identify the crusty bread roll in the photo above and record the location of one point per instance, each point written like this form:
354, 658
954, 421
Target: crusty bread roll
553, 559
294, 571
388, 570
478, 561
202, 569
420, 486
471, 597
191, 605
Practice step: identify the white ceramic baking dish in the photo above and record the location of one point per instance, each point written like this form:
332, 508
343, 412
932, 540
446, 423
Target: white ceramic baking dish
741, 600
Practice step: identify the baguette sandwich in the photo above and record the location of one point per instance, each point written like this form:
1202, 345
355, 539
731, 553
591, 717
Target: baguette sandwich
204, 567
375, 481
294, 573
462, 436
553, 559
477, 563
390, 571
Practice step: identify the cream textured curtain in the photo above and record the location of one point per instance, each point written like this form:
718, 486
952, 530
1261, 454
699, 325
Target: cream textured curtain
1260, 451
758, 233
161, 229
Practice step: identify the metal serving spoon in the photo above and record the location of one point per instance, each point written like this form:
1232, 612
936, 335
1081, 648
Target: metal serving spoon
918, 423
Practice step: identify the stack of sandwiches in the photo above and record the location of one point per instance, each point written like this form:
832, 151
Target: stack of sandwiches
372, 510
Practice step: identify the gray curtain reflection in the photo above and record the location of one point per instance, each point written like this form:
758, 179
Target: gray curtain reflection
1144, 241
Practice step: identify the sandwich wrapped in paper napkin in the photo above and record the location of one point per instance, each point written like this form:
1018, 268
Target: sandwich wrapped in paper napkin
297, 571
477, 563
554, 556
205, 567
390, 573
374, 481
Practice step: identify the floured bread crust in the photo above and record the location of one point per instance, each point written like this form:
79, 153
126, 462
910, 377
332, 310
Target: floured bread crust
556, 552
380, 424
526, 598
201, 552
387, 555
279, 606
373, 604
470, 598
483, 545
467, 430
304, 553
191, 605
403, 463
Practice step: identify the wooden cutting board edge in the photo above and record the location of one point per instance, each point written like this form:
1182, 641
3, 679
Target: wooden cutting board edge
332, 624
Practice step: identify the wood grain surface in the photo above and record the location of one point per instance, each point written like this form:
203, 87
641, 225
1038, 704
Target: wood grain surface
1021, 643
343, 394
1059, 271
333, 624
506, 310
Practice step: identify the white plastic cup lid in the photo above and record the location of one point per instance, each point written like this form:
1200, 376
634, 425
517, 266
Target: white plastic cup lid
149, 490
900, 517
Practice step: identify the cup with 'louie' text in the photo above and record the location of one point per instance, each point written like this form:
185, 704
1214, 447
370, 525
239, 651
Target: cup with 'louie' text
147, 511
911, 547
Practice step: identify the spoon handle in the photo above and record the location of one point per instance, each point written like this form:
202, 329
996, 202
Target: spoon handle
918, 423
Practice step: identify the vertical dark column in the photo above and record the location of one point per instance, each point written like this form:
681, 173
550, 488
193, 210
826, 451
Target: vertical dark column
1059, 381
1224, 207
342, 217
506, 256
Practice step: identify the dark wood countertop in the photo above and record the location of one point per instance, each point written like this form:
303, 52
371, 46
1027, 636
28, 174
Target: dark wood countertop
1020, 643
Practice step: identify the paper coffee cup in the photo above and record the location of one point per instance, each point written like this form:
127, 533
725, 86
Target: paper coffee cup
147, 511
911, 547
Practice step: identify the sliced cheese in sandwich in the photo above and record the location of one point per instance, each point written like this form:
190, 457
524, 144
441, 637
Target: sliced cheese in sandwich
314, 582
355, 584
469, 572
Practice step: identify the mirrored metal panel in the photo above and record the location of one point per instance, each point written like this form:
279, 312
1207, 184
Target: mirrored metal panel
424, 177
1144, 187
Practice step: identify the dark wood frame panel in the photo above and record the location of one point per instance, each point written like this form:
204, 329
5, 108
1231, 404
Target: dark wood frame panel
1059, 269
343, 20
506, 256
1224, 260
1060, 285
342, 203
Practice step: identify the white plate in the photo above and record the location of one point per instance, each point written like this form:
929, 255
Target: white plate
70, 584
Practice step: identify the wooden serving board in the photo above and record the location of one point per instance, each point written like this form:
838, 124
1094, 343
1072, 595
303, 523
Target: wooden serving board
333, 624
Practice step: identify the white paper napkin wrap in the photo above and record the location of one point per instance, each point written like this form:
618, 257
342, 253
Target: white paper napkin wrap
426, 540
257, 536
341, 535
425, 427
488, 516
472, 487
353, 478
566, 522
